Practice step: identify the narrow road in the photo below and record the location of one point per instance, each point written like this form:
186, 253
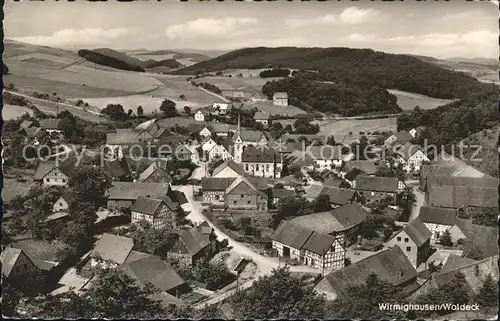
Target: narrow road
264, 264
419, 202
214, 94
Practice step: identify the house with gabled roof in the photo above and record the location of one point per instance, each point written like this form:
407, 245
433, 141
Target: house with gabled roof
438, 220
352, 168
51, 125
193, 244
280, 194
16, 263
475, 237
122, 195
427, 171
220, 108
261, 162
400, 137
280, 99
243, 195
214, 190
157, 212
228, 169
155, 173
200, 115
307, 246
475, 273
411, 157
414, 240
375, 189
221, 150
340, 196
53, 174
391, 266
263, 118
118, 169
319, 157
63, 203
111, 251
149, 269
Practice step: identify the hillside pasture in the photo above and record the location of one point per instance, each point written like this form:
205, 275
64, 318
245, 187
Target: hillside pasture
408, 101
341, 128
13, 112
288, 111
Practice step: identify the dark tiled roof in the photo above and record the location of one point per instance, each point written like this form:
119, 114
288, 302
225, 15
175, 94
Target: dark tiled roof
45, 168
417, 231
323, 222
261, 115
458, 196
408, 150
128, 137
117, 168
155, 166
291, 234
282, 193
216, 183
151, 269
146, 205
438, 215
194, 240
241, 180
51, 123
68, 197
403, 137
390, 265
484, 238
32, 131
9, 258
349, 215
258, 155
338, 196
366, 166
250, 136
113, 248
454, 262
380, 184
131, 191
319, 243
438, 180
278, 95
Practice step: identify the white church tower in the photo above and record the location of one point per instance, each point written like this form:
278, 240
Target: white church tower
238, 144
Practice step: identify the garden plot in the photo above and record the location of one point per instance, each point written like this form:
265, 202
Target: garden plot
408, 100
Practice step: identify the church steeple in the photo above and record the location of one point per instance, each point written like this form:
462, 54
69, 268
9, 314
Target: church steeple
239, 127
238, 143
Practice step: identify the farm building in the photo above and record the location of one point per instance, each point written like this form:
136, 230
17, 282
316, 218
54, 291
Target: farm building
199, 116
157, 212
194, 244
52, 174
122, 195
438, 220
280, 99
414, 241
411, 157
376, 189
263, 118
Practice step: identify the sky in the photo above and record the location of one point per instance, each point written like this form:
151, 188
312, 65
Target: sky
438, 29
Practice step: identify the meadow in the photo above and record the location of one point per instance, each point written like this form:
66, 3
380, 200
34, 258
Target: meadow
13, 112
408, 100
341, 128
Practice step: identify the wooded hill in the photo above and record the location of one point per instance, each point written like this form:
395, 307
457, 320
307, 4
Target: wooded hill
119, 60
360, 67
334, 98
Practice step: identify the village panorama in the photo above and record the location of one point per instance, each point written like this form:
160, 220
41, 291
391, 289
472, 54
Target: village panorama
237, 160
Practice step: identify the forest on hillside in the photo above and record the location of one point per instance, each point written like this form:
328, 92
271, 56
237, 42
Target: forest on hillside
360, 67
334, 98
450, 123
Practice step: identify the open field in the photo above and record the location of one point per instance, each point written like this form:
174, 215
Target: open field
408, 100
13, 112
268, 107
341, 128
247, 85
11, 188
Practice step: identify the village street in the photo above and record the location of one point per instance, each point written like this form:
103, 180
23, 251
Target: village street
264, 264
419, 199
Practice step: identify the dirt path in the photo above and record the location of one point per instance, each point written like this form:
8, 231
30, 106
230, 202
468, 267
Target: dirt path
214, 94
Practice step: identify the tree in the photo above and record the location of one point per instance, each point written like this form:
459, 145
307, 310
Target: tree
114, 111
154, 241
130, 113
278, 296
360, 302
187, 110
169, 108
369, 227
89, 184
140, 111
291, 207
488, 294
330, 141
321, 203
475, 253
214, 275
445, 239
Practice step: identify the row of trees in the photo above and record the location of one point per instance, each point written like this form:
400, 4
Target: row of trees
117, 112
275, 72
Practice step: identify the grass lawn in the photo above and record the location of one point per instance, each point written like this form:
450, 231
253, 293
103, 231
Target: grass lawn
341, 128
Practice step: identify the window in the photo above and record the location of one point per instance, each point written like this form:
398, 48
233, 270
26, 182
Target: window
60, 204
234, 202
267, 167
241, 195
257, 167
408, 249
399, 238
248, 202
246, 167
406, 240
